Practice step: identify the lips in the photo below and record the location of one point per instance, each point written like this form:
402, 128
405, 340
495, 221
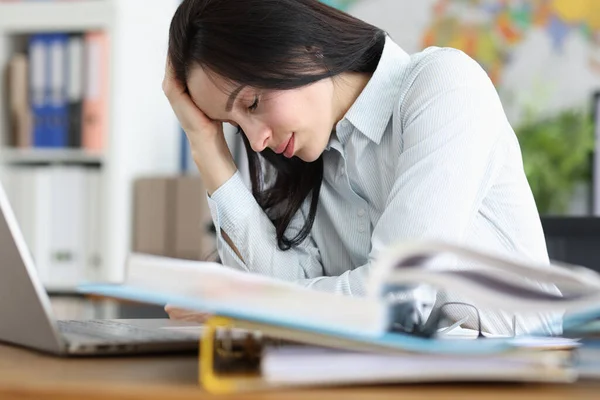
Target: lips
281, 148
289, 149
284, 146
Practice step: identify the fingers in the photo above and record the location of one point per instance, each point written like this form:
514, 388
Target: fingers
172, 88
170, 85
191, 118
180, 314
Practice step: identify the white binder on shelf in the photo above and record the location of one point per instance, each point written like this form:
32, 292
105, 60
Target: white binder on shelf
67, 227
27, 189
36, 204
94, 226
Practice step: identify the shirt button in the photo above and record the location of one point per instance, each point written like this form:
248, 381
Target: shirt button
361, 212
361, 229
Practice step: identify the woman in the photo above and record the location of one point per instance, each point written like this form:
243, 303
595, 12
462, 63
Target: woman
369, 146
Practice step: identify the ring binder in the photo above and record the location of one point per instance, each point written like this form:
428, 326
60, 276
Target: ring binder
245, 375
230, 364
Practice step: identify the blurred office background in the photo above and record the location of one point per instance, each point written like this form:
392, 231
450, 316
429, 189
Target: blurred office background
95, 165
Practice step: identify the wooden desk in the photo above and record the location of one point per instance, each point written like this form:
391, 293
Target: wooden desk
29, 375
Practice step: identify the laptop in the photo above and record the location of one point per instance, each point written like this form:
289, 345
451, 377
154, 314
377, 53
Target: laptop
26, 317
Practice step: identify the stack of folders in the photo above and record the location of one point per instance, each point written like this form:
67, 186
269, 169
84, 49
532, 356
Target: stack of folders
58, 91
241, 355
268, 333
587, 356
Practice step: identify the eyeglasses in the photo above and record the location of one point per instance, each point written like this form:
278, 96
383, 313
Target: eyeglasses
408, 319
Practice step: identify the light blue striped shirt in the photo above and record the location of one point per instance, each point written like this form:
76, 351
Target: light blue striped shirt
425, 152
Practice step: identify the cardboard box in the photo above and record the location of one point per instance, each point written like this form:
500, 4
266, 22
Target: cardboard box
172, 218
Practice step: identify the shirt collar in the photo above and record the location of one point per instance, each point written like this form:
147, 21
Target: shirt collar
372, 110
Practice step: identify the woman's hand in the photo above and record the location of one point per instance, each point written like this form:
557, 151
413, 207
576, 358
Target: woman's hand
207, 141
194, 122
186, 315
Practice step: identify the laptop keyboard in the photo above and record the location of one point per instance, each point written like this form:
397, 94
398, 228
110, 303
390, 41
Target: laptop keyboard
118, 332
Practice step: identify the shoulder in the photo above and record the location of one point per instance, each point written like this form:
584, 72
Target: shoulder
446, 94
444, 76
443, 65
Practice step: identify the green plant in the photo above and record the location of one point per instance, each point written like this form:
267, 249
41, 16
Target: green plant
557, 155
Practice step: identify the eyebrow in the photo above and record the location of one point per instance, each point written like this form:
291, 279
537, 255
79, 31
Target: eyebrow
232, 97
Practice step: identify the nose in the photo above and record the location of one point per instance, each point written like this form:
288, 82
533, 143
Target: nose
258, 136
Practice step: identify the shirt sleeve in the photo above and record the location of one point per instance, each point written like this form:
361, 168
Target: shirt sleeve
235, 211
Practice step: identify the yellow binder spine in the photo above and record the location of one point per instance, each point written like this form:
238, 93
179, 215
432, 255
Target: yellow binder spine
216, 382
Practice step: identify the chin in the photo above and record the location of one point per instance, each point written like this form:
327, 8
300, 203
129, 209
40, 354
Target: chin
308, 159
311, 153
309, 156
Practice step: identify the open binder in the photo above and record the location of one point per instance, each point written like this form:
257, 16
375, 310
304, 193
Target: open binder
288, 313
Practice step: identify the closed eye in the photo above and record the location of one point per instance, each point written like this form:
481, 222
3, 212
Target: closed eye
254, 105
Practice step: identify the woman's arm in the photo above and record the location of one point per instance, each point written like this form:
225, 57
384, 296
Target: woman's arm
246, 237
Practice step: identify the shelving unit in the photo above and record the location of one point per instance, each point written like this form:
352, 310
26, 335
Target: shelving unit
26, 17
16, 156
143, 136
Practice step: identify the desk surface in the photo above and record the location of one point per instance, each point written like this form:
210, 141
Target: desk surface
26, 375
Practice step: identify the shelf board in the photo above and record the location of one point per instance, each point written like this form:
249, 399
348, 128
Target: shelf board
49, 156
52, 16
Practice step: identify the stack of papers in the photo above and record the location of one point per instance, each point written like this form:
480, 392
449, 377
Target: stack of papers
310, 365
588, 354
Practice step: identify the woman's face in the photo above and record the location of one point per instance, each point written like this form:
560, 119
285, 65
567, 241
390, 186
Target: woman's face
296, 122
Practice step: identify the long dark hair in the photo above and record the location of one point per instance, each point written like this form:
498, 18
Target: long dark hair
274, 44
